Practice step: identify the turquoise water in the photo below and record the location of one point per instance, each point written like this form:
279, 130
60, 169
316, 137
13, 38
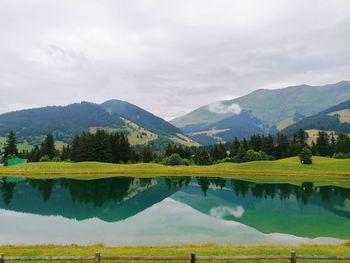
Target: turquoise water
170, 210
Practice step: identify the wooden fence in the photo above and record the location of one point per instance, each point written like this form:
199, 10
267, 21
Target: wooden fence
193, 258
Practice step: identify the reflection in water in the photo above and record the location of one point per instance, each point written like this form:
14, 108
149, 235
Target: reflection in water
305, 210
225, 211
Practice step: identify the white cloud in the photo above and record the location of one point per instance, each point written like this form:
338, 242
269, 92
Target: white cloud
221, 108
224, 211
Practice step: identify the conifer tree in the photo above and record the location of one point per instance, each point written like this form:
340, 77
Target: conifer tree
268, 145
235, 147
10, 146
323, 146
305, 156
203, 157
48, 146
147, 154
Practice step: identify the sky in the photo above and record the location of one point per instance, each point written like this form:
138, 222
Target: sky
166, 56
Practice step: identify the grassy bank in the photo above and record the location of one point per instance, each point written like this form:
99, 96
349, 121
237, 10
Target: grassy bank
322, 171
203, 250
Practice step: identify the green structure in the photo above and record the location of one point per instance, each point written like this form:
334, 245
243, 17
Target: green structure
14, 161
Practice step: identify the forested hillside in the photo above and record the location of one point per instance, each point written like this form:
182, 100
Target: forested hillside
332, 119
63, 122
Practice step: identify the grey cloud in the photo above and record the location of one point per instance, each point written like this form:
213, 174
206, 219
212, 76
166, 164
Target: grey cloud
166, 56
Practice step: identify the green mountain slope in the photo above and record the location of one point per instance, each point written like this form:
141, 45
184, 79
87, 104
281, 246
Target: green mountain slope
278, 107
335, 119
62, 121
242, 125
137, 115
115, 116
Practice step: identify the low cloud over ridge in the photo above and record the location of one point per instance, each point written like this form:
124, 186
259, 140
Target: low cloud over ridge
221, 108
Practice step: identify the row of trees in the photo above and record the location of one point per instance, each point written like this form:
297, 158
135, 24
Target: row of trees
263, 147
100, 147
115, 148
46, 150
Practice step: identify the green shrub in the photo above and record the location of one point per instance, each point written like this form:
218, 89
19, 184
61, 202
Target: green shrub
45, 158
175, 159
252, 155
305, 156
341, 155
56, 159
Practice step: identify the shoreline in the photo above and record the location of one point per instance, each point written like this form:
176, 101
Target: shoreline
324, 171
180, 250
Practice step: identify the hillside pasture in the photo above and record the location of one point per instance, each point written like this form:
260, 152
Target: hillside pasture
343, 115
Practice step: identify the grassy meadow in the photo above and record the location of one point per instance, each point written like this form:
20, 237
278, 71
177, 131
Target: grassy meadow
183, 250
323, 171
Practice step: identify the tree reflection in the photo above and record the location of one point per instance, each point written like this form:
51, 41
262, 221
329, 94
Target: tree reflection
119, 189
44, 187
177, 181
7, 189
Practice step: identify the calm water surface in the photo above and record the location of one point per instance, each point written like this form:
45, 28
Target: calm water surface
170, 210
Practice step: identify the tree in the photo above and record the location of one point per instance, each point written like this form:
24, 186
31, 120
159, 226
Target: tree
146, 154
35, 154
343, 144
267, 145
235, 147
218, 152
101, 147
305, 156
282, 146
302, 137
323, 146
10, 146
240, 156
203, 157
255, 142
65, 153
48, 146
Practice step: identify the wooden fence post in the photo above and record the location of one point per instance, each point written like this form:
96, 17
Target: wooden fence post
293, 257
2, 260
97, 257
193, 258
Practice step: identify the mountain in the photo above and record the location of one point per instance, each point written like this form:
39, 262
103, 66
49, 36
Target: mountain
137, 115
273, 109
142, 127
334, 119
113, 199
240, 126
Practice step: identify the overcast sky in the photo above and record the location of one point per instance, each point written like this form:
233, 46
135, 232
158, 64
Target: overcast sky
168, 57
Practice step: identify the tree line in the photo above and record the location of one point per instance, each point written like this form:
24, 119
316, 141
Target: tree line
102, 146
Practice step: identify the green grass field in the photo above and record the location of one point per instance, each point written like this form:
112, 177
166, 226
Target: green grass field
323, 171
185, 250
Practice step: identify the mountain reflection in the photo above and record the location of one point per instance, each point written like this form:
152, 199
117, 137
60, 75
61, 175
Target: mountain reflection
117, 189
266, 207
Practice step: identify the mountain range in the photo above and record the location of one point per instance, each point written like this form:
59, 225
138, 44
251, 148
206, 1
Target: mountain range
311, 108
261, 111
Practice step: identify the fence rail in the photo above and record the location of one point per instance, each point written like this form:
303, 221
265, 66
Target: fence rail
193, 258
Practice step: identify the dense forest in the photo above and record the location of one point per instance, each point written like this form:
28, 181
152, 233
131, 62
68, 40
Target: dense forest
102, 146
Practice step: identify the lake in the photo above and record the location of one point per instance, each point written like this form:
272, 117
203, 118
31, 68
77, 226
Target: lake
170, 210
